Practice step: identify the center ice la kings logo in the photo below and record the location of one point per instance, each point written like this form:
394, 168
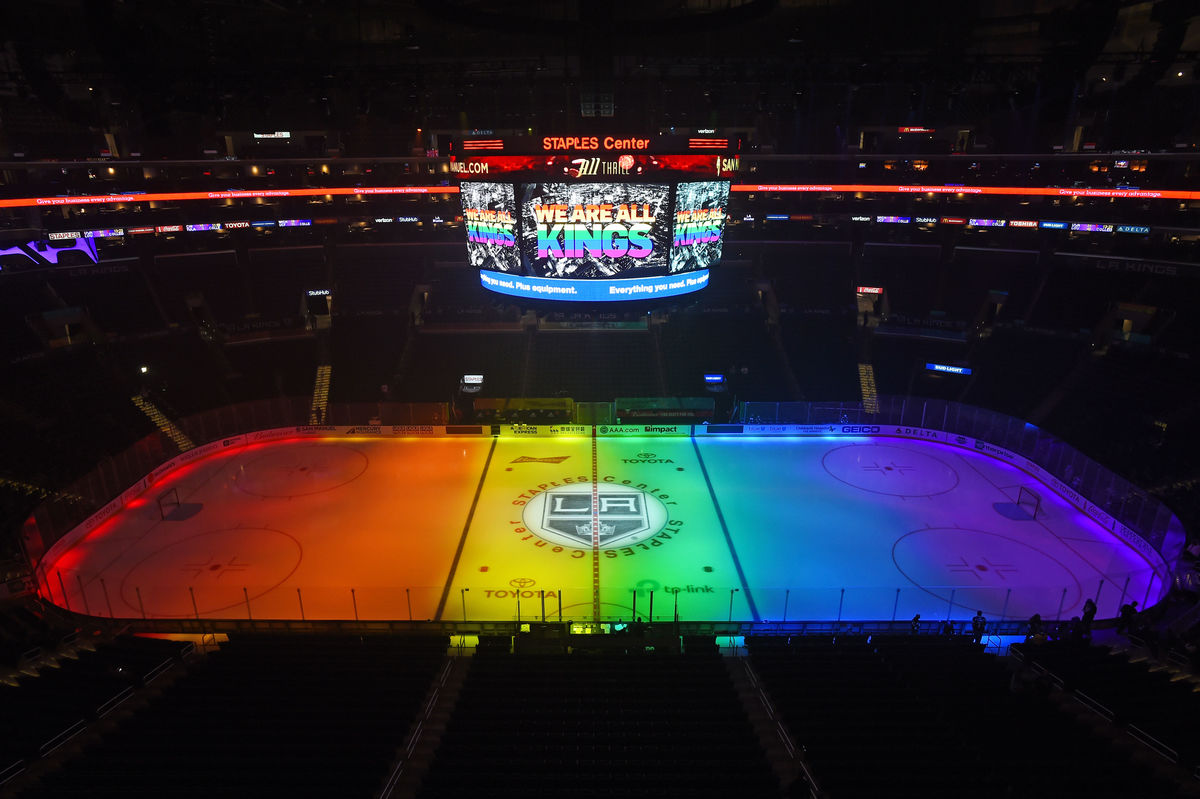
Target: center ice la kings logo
564, 515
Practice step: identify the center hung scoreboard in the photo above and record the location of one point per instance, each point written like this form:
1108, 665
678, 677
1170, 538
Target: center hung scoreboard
594, 218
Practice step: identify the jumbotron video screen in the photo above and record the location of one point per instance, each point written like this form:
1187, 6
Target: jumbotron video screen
594, 230
699, 224
489, 215
594, 241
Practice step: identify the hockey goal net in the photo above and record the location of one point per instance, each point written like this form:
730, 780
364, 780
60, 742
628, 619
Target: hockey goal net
1029, 501
168, 501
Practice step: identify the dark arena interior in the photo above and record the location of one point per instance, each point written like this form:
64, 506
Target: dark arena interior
442, 398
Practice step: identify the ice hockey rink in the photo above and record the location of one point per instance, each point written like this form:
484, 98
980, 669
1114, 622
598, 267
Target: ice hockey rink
714, 528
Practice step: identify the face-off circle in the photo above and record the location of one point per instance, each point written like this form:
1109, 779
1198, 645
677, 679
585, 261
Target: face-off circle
895, 471
986, 571
565, 515
299, 471
216, 565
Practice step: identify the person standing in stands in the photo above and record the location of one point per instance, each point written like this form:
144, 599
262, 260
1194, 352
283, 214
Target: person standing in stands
1035, 629
1085, 623
978, 625
1127, 617
916, 624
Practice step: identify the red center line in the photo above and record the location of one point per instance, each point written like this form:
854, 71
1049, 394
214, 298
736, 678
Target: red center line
595, 534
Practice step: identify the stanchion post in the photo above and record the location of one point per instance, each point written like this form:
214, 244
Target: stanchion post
896, 605
950, 605
408, 597
462, 633
86, 608
543, 596
787, 595
246, 594
1004, 612
107, 601
195, 609
300, 599
66, 599
1062, 601
141, 605
354, 601
841, 602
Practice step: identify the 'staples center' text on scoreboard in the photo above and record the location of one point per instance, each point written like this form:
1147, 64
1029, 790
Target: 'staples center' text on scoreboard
561, 143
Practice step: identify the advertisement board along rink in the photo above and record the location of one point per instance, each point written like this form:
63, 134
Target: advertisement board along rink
744, 527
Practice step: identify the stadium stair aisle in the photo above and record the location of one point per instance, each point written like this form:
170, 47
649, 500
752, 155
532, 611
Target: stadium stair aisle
599, 725
425, 735
773, 737
320, 399
164, 424
866, 383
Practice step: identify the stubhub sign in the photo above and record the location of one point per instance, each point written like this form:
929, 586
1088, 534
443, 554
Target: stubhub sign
594, 290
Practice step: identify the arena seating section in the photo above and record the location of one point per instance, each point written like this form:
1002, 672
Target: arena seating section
595, 725
1139, 695
63, 686
266, 716
932, 716
936, 716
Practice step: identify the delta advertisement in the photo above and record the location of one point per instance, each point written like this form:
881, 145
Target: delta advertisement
699, 224
489, 214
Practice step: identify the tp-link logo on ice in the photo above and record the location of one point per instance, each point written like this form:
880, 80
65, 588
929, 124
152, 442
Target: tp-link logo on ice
565, 515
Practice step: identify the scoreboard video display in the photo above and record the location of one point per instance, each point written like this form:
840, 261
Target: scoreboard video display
489, 214
594, 241
594, 230
699, 224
